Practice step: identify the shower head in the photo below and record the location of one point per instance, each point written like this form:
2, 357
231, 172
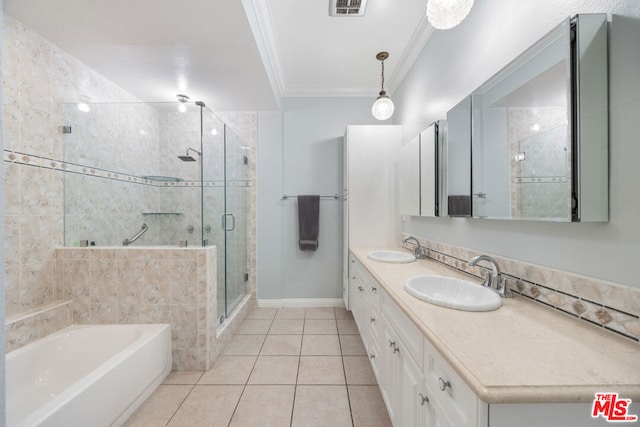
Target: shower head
189, 158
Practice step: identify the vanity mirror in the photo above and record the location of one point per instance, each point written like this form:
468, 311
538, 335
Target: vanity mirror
409, 177
421, 172
458, 160
432, 176
540, 130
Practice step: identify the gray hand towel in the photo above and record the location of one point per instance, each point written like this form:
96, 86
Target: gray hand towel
308, 222
459, 205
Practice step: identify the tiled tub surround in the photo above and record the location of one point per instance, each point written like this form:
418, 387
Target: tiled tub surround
145, 285
30, 326
614, 307
520, 353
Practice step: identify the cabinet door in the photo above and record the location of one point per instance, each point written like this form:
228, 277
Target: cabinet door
416, 410
391, 385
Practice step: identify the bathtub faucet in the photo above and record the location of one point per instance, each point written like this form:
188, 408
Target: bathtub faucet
127, 242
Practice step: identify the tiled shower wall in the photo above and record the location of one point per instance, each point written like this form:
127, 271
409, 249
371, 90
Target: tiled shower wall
38, 79
603, 304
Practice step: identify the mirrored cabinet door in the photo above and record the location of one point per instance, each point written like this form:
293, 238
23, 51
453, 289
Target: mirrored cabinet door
532, 155
432, 162
458, 160
409, 178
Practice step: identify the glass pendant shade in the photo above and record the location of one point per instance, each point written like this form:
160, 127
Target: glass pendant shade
445, 14
383, 107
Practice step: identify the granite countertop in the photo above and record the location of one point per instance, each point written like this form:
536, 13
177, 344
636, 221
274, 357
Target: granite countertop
522, 352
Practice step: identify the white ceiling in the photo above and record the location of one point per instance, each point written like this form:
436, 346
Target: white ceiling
233, 54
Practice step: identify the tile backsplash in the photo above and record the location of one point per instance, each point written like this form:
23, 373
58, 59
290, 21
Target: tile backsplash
613, 307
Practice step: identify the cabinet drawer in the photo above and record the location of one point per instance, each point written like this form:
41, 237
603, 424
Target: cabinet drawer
460, 405
370, 284
408, 332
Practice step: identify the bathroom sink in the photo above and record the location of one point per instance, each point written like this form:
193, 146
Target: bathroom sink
453, 293
391, 256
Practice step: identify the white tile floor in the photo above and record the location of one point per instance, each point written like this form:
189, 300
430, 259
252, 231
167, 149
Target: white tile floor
285, 367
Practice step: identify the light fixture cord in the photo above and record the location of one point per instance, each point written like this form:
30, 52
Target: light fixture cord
382, 85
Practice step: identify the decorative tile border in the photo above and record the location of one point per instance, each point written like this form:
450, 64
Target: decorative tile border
607, 305
47, 163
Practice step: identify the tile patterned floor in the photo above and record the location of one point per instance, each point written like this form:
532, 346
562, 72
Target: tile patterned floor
285, 367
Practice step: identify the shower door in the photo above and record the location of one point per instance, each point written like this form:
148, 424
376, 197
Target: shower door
234, 220
224, 210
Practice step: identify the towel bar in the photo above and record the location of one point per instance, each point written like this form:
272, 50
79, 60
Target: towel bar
286, 197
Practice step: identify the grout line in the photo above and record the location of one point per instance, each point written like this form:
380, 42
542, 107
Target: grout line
193, 386
244, 387
344, 372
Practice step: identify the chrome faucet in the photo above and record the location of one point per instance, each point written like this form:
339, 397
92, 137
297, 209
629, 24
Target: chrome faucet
416, 248
493, 280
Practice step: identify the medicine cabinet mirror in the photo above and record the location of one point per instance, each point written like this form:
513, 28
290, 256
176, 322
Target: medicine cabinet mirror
409, 177
421, 172
540, 132
458, 160
432, 177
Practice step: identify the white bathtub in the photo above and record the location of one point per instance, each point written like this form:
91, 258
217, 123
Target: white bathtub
93, 375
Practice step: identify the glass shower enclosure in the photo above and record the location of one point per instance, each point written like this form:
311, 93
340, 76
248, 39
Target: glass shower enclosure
158, 174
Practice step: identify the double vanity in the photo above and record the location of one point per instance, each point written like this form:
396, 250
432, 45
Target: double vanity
516, 364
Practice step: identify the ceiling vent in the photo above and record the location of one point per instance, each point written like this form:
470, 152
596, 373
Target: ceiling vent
347, 7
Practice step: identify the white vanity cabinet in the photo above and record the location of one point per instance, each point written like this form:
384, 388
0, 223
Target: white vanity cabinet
409, 370
457, 405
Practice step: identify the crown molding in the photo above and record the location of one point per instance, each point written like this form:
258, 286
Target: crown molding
261, 24
419, 39
312, 92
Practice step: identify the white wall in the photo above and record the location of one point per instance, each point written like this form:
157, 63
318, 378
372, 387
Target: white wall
300, 152
457, 61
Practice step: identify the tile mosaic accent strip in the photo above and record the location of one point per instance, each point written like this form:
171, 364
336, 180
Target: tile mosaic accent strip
607, 305
48, 163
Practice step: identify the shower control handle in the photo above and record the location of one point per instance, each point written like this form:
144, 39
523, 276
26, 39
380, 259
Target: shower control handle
224, 222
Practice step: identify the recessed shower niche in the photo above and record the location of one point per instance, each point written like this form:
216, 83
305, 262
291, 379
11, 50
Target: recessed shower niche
182, 174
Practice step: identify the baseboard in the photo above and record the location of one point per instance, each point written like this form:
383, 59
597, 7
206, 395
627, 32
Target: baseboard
301, 302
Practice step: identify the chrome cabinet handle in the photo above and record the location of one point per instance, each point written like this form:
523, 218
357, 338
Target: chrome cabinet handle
360, 288
373, 289
396, 349
392, 343
423, 399
373, 356
443, 384
372, 319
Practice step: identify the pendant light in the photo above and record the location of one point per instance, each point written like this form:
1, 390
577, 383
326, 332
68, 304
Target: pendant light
382, 108
446, 14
